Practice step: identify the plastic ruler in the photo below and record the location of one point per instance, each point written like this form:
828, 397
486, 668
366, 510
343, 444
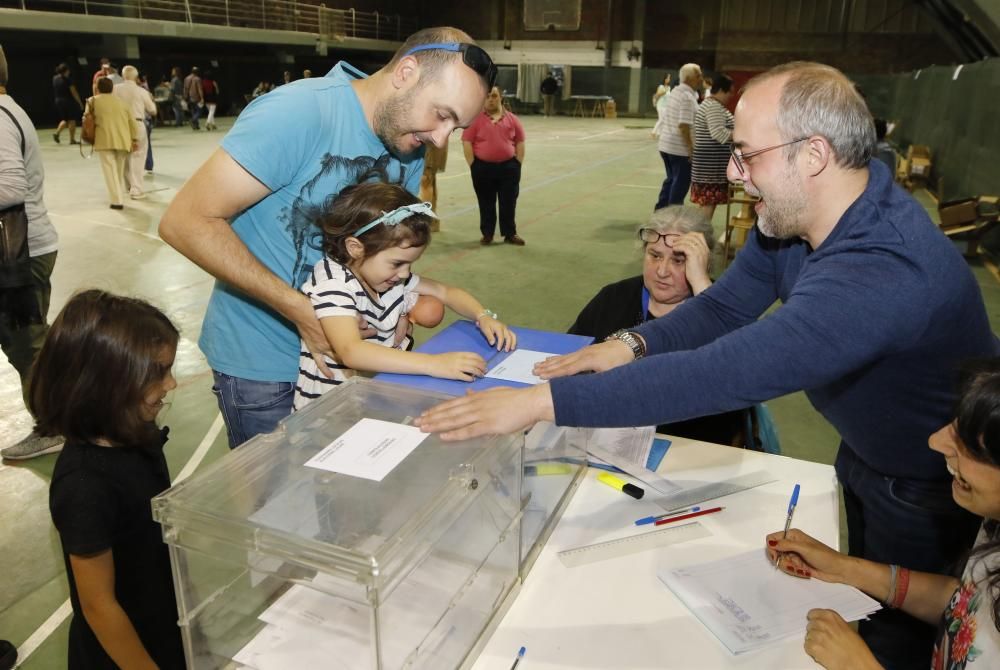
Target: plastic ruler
633, 544
713, 490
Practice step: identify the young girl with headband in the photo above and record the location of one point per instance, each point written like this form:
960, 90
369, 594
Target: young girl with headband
372, 235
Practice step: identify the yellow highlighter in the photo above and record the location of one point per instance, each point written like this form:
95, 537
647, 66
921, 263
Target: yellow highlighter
624, 487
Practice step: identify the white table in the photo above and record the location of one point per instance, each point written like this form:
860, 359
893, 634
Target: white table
617, 613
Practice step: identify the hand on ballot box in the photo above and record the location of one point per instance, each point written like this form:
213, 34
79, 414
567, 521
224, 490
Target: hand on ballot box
494, 412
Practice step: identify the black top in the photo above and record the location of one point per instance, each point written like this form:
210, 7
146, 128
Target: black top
549, 85
619, 305
99, 500
60, 88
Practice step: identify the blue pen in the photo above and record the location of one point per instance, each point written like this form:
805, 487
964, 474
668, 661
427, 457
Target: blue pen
520, 655
788, 521
653, 519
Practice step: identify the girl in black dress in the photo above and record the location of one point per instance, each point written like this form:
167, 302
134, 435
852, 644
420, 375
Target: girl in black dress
100, 381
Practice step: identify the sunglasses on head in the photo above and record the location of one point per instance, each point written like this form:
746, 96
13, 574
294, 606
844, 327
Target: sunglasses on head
473, 56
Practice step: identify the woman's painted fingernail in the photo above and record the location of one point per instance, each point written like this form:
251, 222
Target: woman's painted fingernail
772, 543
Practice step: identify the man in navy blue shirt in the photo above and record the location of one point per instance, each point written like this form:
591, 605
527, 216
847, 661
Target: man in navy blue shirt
878, 311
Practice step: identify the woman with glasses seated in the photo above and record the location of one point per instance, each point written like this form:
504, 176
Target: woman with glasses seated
677, 247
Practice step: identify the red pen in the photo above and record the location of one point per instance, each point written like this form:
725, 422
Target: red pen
688, 516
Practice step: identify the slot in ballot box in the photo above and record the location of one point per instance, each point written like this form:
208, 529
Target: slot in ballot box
281, 565
554, 458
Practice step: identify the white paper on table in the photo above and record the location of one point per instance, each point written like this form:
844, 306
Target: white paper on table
518, 366
746, 603
369, 449
632, 444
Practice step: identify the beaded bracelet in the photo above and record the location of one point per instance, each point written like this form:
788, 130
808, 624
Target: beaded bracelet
891, 597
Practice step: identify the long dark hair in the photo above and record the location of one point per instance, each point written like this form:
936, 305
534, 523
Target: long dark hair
98, 360
357, 206
977, 421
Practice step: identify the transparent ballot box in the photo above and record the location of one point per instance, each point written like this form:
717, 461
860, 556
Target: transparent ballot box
281, 565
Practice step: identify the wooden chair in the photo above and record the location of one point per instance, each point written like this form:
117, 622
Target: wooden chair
744, 218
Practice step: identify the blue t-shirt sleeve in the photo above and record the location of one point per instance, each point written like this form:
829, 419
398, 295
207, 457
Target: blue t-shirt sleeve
276, 134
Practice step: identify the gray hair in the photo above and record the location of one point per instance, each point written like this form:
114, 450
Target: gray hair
688, 70
682, 219
130, 72
817, 99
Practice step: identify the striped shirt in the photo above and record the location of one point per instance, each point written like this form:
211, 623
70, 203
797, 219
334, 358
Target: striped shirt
682, 103
713, 131
336, 291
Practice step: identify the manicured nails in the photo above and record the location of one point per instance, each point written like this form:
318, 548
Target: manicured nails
772, 543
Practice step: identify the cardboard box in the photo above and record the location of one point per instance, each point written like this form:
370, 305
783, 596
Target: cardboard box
957, 213
918, 157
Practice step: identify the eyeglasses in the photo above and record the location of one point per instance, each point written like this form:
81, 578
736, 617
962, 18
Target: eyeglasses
473, 56
740, 158
650, 236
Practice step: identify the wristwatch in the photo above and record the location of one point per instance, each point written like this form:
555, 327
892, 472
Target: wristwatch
633, 341
487, 312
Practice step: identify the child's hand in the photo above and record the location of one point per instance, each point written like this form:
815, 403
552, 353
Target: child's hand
497, 334
403, 329
462, 365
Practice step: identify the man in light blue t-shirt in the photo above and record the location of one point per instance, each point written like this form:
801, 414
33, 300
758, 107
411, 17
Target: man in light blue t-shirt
247, 215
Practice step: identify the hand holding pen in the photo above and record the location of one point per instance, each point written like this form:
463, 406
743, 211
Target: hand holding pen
788, 520
804, 556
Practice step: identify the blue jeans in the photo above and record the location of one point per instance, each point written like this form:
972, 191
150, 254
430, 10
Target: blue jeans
913, 523
178, 111
251, 407
149, 144
675, 186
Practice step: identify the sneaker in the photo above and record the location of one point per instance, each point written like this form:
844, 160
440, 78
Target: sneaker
55, 136
8, 655
32, 446
117, 206
137, 195
486, 240
515, 240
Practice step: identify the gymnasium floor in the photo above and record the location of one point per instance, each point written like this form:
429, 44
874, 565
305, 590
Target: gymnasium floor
586, 184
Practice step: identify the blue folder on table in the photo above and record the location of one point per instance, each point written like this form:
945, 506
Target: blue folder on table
465, 336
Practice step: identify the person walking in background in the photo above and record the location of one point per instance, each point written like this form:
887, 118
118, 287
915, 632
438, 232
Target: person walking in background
67, 102
713, 132
435, 160
210, 94
194, 96
677, 136
117, 134
494, 150
140, 104
549, 88
177, 96
103, 71
661, 91
24, 308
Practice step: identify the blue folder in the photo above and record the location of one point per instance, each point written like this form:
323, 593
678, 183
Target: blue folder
465, 336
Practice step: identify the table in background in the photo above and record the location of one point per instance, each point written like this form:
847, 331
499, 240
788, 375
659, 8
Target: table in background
599, 104
617, 613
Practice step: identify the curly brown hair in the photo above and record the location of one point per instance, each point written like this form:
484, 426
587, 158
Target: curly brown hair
357, 206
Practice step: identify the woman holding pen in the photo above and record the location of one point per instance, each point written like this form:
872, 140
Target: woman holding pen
967, 609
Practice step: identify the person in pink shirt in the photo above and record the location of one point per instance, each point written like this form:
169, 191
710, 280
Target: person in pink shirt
494, 149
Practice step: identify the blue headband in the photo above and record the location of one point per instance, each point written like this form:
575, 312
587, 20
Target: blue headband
398, 215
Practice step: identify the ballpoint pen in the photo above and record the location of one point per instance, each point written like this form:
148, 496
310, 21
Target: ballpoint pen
653, 519
690, 515
520, 655
788, 520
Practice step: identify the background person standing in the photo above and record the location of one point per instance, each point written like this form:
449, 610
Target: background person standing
116, 134
494, 150
194, 96
713, 131
23, 309
68, 104
677, 136
140, 104
549, 88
